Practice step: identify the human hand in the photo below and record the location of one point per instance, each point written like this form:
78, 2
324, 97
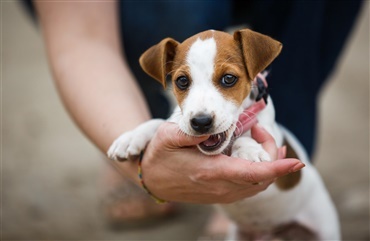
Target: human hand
174, 170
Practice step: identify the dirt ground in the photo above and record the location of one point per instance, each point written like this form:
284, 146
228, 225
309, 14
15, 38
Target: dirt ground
50, 171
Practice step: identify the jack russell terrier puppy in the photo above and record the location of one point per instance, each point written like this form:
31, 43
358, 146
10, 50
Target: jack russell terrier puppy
216, 78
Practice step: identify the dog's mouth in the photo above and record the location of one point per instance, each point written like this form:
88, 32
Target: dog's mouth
213, 142
217, 143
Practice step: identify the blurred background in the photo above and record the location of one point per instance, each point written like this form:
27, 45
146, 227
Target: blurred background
50, 172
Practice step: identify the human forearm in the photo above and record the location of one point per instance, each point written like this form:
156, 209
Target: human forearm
95, 84
98, 91
93, 80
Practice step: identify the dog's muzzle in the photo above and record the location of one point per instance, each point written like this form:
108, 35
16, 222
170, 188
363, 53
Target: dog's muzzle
201, 123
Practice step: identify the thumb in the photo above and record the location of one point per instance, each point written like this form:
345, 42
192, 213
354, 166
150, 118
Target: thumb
171, 133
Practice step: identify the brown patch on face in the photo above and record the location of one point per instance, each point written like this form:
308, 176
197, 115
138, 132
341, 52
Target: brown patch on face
180, 95
229, 60
292, 179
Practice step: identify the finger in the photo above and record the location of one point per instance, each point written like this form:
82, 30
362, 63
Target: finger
242, 171
281, 152
249, 117
171, 134
244, 124
265, 139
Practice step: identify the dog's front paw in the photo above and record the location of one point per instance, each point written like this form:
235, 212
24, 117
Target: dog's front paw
129, 145
248, 149
126, 147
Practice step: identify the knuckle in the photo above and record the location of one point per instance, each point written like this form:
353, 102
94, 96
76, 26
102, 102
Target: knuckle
243, 175
167, 136
202, 176
161, 131
163, 128
251, 176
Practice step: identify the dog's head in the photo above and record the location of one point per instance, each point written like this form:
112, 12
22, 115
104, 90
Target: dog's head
212, 75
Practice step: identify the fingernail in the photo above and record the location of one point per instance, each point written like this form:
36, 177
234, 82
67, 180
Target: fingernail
297, 167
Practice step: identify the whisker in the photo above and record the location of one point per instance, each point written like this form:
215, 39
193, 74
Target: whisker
238, 129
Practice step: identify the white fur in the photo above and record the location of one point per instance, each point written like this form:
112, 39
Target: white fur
203, 97
248, 149
307, 203
131, 143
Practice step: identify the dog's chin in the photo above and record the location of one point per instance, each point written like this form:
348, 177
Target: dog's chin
216, 143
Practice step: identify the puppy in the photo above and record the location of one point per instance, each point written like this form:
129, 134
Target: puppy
214, 81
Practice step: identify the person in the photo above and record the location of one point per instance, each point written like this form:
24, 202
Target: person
93, 50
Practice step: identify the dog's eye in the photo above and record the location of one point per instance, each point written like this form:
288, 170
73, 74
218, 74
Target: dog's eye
228, 80
182, 82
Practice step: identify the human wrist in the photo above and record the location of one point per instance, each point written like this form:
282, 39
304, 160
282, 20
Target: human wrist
142, 183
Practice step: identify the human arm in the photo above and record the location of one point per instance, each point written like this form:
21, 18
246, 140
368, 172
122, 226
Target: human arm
92, 77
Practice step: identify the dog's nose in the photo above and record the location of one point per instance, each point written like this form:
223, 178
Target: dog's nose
201, 123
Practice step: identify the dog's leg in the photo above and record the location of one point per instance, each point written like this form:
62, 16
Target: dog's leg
247, 148
131, 143
319, 213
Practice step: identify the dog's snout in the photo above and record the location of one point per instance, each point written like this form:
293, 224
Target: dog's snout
202, 123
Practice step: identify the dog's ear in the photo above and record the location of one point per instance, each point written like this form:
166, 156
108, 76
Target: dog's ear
157, 60
258, 50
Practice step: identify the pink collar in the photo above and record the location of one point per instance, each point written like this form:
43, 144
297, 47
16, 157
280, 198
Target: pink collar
249, 116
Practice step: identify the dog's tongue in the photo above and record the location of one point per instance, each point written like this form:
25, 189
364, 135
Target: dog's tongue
213, 140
